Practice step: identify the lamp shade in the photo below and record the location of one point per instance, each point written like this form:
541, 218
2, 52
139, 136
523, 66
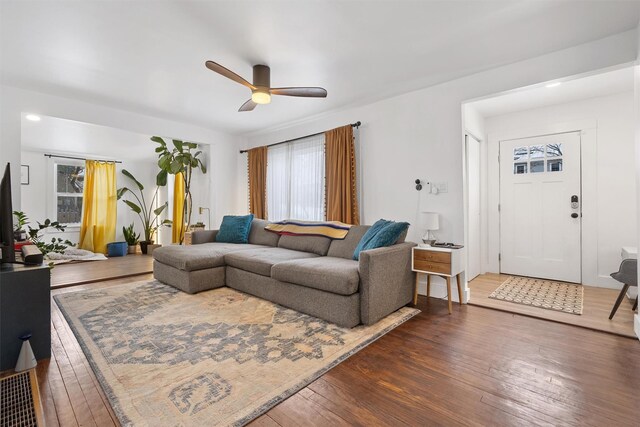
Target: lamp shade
431, 220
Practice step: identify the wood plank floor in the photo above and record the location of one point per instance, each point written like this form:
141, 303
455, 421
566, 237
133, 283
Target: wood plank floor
76, 273
597, 304
475, 367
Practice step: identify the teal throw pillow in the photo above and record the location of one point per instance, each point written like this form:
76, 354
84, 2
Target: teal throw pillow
386, 234
235, 229
370, 234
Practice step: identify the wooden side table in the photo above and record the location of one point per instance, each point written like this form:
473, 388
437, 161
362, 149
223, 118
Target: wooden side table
443, 262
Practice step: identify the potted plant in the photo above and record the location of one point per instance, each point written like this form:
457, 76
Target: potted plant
181, 159
131, 238
36, 235
19, 234
149, 217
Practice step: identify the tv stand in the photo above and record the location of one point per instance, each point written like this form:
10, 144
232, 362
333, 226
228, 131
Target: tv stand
25, 307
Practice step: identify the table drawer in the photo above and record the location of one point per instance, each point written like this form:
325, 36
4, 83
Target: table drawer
433, 256
435, 267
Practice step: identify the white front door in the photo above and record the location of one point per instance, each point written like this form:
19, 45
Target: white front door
473, 188
540, 207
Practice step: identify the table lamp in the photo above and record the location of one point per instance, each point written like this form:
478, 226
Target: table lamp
430, 222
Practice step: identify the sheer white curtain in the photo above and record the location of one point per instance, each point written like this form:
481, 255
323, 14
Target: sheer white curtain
295, 180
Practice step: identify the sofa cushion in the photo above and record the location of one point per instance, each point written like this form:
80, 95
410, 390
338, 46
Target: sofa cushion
315, 244
336, 275
198, 257
261, 260
259, 236
344, 248
234, 229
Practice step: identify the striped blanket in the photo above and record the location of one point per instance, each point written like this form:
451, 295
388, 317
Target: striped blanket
332, 229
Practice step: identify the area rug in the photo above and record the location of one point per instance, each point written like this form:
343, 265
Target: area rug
221, 357
547, 294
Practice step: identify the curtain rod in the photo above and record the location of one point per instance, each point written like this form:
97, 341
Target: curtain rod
80, 158
355, 125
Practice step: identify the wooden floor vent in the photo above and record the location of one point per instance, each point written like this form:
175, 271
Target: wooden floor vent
20, 400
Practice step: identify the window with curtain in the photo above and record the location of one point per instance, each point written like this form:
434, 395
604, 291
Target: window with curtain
296, 180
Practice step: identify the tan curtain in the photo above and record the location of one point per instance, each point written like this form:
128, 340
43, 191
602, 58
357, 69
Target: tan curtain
257, 164
340, 170
98, 206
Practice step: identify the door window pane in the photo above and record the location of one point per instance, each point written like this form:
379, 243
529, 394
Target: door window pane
536, 151
520, 153
537, 166
519, 168
554, 150
554, 165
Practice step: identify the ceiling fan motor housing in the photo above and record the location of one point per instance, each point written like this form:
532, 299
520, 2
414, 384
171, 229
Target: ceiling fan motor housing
262, 77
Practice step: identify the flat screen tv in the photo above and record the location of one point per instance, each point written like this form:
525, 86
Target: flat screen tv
6, 218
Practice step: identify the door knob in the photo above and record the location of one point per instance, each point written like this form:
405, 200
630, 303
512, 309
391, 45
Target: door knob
574, 215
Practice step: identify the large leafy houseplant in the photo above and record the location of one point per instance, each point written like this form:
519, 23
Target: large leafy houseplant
36, 234
149, 217
182, 159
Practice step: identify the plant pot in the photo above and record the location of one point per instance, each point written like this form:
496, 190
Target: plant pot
151, 247
132, 249
144, 245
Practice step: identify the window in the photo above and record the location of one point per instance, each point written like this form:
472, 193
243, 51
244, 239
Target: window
531, 159
295, 180
69, 186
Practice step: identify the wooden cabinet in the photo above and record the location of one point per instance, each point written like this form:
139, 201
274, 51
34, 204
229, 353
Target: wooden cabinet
443, 262
25, 307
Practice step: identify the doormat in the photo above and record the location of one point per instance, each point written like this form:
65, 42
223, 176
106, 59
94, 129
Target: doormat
20, 400
547, 294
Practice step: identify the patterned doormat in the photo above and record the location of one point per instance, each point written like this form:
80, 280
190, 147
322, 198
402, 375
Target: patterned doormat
547, 294
221, 357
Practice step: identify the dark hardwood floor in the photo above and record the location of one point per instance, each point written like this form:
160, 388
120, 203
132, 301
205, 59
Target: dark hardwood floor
475, 367
77, 273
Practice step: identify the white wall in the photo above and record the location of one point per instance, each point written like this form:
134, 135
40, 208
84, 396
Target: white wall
221, 159
420, 134
608, 175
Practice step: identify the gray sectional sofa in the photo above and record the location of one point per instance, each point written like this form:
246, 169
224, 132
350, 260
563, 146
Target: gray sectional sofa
310, 274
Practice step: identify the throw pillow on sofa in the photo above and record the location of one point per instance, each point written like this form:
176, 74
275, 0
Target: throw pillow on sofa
235, 229
382, 233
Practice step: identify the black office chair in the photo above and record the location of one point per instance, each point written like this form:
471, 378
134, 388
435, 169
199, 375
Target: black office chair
628, 276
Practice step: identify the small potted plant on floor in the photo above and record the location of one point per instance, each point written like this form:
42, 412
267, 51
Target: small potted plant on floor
131, 238
150, 218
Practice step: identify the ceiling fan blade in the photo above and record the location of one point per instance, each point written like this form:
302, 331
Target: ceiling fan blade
213, 66
307, 92
248, 106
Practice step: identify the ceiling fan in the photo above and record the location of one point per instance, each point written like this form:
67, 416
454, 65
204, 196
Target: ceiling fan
261, 89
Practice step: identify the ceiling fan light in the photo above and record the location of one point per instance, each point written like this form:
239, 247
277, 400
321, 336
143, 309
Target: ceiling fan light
260, 97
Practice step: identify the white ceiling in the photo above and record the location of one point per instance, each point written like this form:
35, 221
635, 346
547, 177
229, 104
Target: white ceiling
54, 135
608, 83
148, 56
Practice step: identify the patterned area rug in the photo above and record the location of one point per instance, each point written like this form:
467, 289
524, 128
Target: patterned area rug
547, 294
221, 357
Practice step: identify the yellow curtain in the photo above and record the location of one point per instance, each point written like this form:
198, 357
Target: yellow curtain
340, 171
177, 228
98, 206
257, 165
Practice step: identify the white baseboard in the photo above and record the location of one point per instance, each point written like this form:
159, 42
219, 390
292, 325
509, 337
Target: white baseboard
636, 325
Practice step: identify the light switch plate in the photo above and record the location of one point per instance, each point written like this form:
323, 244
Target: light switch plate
442, 187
